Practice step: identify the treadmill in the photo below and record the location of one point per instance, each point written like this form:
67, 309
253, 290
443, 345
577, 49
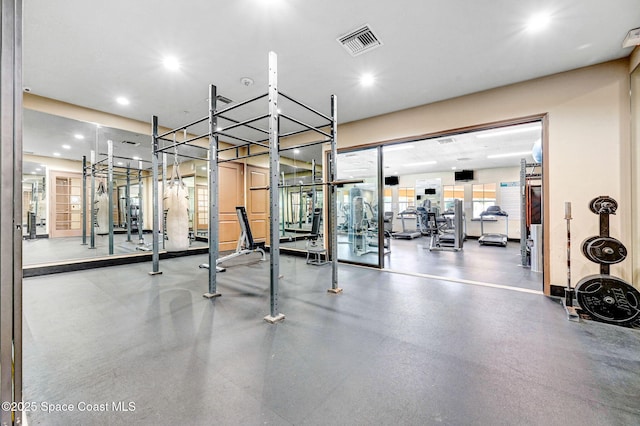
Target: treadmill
407, 234
493, 238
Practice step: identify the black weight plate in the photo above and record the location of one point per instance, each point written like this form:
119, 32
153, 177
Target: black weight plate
585, 244
608, 299
606, 250
603, 205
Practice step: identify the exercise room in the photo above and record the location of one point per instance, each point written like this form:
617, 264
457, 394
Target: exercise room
279, 212
465, 206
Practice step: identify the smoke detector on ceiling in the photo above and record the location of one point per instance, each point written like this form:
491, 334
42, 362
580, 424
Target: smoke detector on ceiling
359, 41
246, 81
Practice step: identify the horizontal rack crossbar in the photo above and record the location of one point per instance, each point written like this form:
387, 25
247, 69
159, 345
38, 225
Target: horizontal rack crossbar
195, 138
243, 157
304, 145
306, 107
123, 158
177, 129
248, 141
251, 127
244, 123
232, 107
332, 183
308, 126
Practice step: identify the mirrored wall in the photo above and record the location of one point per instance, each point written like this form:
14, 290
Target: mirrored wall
66, 174
61, 184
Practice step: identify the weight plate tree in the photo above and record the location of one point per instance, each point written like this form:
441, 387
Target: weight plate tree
604, 250
608, 299
605, 297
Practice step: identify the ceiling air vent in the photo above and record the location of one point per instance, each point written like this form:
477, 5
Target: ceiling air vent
359, 41
444, 141
131, 143
223, 100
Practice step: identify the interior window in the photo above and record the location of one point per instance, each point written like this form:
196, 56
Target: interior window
406, 197
484, 195
452, 193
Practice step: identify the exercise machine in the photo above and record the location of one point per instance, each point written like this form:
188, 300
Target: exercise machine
246, 244
494, 238
315, 243
453, 220
450, 235
407, 233
387, 220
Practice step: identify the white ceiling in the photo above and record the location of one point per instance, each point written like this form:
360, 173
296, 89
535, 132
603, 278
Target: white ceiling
89, 52
464, 151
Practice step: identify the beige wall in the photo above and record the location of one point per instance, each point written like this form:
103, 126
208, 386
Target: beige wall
588, 152
635, 175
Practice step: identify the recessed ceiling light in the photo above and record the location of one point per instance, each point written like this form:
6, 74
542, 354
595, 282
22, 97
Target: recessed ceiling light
203, 168
453, 168
33, 173
510, 154
395, 173
296, 151
56, 154
78, 136
538, 22
422, 163
122, 100
136, 158
66, 146
38, 169
171, 63
119, 163
367, 80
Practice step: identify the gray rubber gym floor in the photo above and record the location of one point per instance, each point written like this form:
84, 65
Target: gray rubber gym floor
392, 349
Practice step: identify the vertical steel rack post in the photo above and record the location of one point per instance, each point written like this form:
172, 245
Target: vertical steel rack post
270, 146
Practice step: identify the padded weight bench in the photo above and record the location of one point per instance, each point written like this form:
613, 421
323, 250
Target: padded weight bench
246, 245
315, 245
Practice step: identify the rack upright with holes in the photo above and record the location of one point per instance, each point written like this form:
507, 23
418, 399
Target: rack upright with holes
247, 148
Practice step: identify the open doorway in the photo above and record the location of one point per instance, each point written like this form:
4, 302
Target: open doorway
494, 176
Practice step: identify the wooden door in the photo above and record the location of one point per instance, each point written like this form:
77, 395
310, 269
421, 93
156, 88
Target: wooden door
258, 202
230, 195
66, 212
202, 209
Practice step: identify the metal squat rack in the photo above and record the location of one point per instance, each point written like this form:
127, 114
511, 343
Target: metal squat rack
100, 169
268, 143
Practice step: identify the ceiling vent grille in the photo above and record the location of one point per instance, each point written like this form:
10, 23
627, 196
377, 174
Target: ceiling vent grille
445, 141
131, 143
360, 41
223, 100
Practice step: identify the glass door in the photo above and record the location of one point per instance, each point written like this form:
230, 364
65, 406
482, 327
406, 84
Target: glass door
358, 207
